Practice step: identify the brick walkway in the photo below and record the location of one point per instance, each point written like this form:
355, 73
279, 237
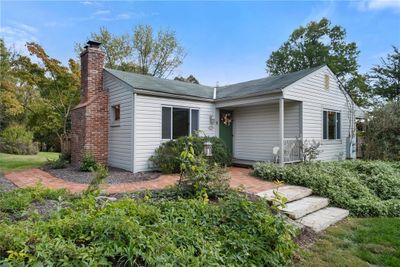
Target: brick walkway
240, 178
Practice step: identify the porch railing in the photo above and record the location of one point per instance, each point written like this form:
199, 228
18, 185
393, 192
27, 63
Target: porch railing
293, 151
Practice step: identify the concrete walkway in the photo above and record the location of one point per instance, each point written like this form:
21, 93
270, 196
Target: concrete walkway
240, 179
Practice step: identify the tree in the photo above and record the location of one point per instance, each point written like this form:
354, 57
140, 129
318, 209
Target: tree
143, 52
385, 78
117, 48
47, 92
189, 79
382, 133
9, 104
316, 44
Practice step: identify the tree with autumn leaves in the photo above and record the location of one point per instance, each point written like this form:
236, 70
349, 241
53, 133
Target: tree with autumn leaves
39, 95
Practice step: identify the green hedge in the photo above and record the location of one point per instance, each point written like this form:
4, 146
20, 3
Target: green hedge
17, 140
127, 232
366, 188
166, 157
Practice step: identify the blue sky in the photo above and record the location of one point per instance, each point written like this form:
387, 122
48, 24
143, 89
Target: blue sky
225, 41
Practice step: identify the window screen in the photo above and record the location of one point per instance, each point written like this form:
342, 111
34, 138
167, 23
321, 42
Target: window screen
195, 120
180, 122
331, 125
338, 130
166, 123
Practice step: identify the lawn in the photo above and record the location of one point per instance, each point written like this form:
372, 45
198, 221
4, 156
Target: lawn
9, 162
357, 242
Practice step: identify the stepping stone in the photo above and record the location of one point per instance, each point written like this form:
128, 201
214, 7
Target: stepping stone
291, 192
322, 219
304, 206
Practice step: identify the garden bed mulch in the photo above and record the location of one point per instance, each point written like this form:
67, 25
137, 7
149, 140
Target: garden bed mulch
115, 175
6, 185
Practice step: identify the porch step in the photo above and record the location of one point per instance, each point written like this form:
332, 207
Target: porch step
290, 192
322, 219
304, 206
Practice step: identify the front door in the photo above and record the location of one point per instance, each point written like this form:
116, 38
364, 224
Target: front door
226, 128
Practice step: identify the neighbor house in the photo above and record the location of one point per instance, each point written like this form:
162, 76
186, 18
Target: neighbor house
123, 117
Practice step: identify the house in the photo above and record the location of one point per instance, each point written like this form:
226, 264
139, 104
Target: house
123, 117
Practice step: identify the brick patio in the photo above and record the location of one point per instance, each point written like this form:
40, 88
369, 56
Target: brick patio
240, 179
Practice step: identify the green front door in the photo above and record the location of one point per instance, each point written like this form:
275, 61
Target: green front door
225, 127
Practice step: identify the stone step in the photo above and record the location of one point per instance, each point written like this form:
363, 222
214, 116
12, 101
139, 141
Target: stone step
322, 219
290, 192
304, 206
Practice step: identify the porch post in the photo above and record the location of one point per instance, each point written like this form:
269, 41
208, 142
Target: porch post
281, 129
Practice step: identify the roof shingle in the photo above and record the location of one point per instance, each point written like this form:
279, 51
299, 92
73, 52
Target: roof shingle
243, 89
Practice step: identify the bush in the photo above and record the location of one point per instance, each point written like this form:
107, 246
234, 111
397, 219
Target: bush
88, 163
101, 175
166, 157
59, 163
365, 188
382, 133
127, 232
17, 140
198, 177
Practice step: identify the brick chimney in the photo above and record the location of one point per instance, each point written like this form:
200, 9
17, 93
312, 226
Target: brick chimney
89, 133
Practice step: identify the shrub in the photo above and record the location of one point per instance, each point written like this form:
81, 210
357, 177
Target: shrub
166, 157
127, 232
198, 176
88, 163
365, 188
101, 175
17, 140
311, 150
59, 163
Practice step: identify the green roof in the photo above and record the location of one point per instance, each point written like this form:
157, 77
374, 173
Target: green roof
243, 89
150, 83
263, 85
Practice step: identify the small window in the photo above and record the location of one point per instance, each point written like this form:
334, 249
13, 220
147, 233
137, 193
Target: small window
195, 120
177, 122
331, 125
116, 113
166, 122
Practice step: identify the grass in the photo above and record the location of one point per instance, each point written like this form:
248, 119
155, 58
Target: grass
357, 242
9, 162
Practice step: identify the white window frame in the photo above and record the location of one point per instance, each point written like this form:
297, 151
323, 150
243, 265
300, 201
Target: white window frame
327, 126
172, 119
115, 122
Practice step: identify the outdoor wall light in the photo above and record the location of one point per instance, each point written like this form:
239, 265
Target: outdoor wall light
208, 149
212, 119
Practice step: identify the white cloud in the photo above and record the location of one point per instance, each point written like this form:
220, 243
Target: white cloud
101, 12
366, 5
18, 35
124, 16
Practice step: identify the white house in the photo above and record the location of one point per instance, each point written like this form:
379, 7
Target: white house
252, 117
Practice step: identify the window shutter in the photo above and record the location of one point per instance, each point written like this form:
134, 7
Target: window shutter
338, 129
166, 123
195, 120
325, 124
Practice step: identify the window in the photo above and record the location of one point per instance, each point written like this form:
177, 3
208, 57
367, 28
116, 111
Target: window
331, 125
177, 122
116, 113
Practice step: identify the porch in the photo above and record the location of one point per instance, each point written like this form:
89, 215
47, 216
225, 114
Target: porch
256, 129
